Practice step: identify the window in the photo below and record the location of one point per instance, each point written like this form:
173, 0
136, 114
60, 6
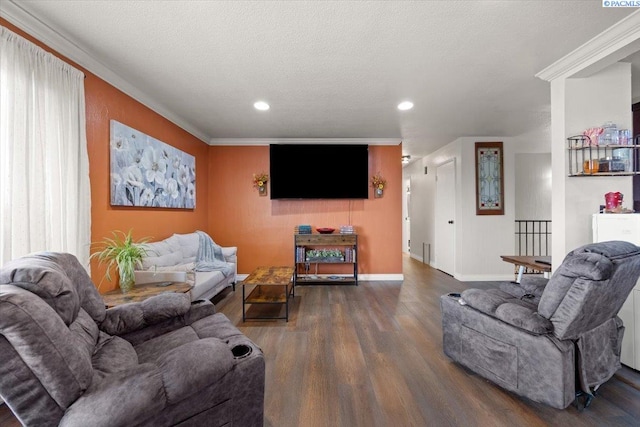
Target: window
45, 198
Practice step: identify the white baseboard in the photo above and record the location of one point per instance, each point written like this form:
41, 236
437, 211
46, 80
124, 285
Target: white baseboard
381, 277
367, 277
485, 277
416, 257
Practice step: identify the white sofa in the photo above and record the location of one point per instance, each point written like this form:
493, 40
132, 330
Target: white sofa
174, 259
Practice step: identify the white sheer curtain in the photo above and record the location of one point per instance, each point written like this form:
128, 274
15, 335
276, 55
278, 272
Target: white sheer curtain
45, 199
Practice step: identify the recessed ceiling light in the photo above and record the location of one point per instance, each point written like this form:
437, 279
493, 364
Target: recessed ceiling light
406, 105
261, 105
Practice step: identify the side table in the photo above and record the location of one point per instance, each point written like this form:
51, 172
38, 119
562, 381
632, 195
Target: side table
142, 292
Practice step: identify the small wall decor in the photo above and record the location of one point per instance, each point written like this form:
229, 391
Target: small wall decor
489, 179
378, 183
148, 172
260, 182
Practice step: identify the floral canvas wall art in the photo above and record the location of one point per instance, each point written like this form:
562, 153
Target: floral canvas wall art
147, 172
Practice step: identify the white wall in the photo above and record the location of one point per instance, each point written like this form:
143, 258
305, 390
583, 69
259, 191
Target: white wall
420, 211
423, 196
579, 104
533, 177
406, 200
575, 106
480, 239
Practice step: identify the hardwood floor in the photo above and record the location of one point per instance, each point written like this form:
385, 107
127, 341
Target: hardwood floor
371, 355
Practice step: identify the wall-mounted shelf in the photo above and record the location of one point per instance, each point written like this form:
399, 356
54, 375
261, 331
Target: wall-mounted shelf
587, 159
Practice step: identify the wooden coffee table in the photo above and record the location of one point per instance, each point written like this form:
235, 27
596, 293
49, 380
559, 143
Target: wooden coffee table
142, 292
271, 285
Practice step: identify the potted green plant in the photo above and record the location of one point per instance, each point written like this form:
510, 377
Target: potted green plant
122, 253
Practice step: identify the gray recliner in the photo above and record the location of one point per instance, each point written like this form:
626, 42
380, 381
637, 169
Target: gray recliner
66, 360
550, 341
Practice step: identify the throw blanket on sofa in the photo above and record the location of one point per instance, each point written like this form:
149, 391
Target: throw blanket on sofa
210, 256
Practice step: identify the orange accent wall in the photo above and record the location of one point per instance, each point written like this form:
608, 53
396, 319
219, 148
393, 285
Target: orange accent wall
227, 205
103, 103
262, 228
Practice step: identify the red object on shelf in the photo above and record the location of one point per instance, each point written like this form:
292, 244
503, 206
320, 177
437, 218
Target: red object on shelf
325, 230
613, 200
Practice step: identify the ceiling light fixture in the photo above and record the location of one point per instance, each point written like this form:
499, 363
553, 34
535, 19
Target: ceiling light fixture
405, 159
261, 105
405, 105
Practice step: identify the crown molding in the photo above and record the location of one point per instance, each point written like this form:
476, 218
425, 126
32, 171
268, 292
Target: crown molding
267, 141
616, 38
14, 13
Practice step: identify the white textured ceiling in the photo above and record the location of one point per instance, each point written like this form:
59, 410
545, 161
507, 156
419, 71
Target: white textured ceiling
333, 69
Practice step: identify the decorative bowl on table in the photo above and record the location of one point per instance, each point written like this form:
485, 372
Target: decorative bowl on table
325, 230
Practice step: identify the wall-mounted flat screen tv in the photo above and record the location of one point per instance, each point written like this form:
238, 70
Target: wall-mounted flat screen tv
319, 171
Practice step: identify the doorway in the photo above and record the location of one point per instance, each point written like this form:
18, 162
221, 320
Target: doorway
445, 227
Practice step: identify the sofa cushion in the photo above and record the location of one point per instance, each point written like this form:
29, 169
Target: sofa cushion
189, 266
164, 260
113, 354
189, 244
157, 249
204, 281
174, 243
149, 351
85, 333
90, 299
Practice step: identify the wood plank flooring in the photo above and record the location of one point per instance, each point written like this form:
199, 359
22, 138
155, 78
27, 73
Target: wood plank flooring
371, 355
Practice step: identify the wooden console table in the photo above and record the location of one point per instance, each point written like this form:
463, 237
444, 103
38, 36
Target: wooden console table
142, 292
349, 248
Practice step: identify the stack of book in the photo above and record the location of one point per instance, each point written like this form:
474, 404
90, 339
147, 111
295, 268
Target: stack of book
347, 229
300, 253
303, 229
349, 255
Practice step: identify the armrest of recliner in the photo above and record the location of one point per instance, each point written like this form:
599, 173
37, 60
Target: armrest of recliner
529, 289
503, 306
193, 366
137, 315
199, 309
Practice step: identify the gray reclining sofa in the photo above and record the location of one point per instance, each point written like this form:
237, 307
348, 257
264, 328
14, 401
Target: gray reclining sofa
550, 341
66, 360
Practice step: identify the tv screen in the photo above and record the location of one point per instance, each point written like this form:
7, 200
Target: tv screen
310, 171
